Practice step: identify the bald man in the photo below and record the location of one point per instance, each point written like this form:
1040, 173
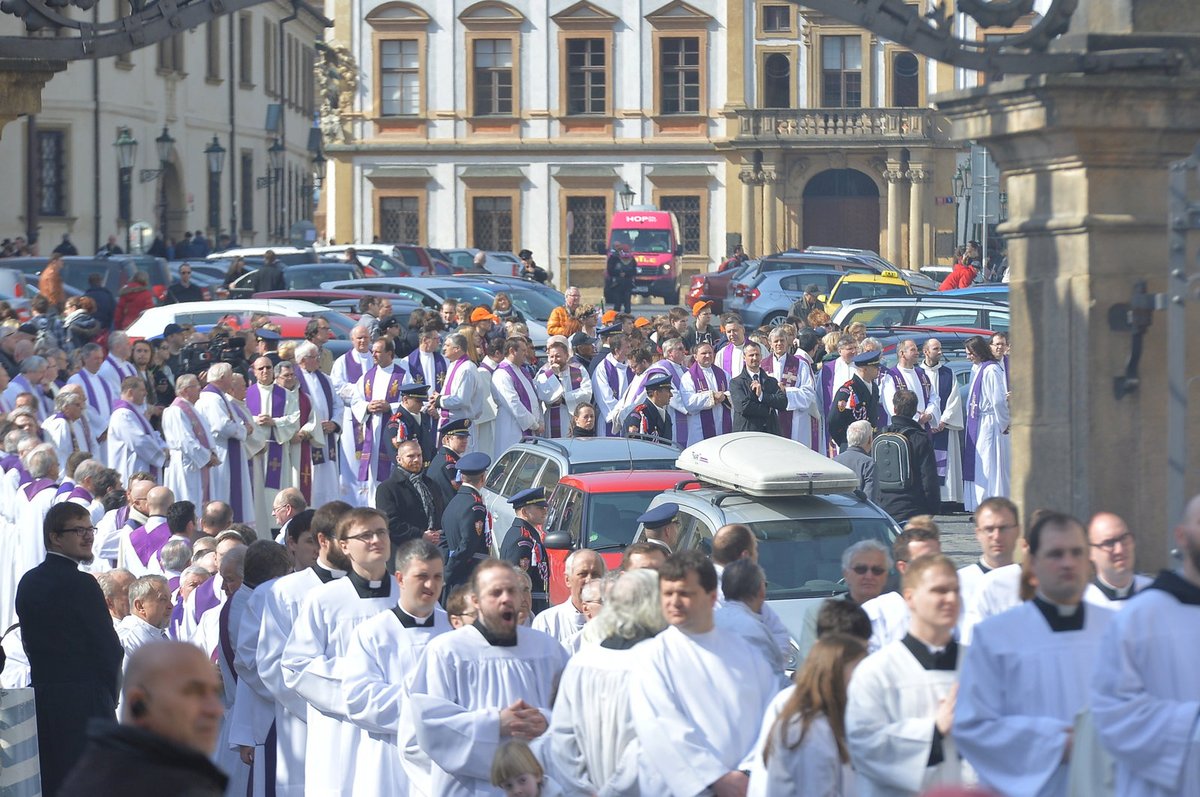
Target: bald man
169, 724
567, 619
1113, 551
139, 546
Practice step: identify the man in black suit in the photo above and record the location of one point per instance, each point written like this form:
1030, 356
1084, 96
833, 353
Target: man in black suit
857, 400
411, 422
756, 396
443, 468
74, 654
653, 416
409, 500
465, 522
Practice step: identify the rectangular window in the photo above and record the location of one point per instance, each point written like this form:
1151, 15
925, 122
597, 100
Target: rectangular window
399, 80
124, 9
493, 77
591, 221
586, 77
52, 169
492, 219
268, 53
247, 208
776, 19
245, 51
679, 74
687, 210
400, 219
841, 72
170, 54
212, 50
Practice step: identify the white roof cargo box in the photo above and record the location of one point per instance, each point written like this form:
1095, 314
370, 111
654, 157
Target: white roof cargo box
765, 465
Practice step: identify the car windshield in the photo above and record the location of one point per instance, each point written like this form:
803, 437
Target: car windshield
612, 518
623, 464
341, 323
650, 241
532, 304
803, 558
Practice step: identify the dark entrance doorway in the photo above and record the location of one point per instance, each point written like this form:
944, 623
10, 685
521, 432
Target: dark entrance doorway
841, 208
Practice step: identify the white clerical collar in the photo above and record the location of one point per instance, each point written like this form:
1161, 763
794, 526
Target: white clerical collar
1063, 609
1120, 592
420, 618
331, 569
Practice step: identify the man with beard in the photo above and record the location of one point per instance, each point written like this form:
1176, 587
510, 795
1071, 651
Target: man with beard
408, 499
514, 671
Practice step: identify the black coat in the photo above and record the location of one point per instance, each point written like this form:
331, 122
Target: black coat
423, 429
442, 471
750, 414
267, 278
131, 762
75, 659
647, 420
925, 494
464, 529
866, 409
178, 293
523, 548
397, 499
106, 304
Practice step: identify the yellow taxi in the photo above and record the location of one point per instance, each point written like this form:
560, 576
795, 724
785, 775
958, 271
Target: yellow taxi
865, 286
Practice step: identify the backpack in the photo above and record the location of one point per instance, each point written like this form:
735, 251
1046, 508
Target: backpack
893, 462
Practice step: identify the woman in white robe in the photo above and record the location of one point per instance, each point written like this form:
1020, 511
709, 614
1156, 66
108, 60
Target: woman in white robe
987, 449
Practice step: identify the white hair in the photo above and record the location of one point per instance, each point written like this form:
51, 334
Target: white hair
218, 371
631, 609
305, 349
66, 398
859, 434
186, 380
865, 545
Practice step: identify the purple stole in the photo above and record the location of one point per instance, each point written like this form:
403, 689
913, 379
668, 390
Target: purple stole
176, 619
522, 393
901, 384
148, 542
122, 404
82, 493
384, 467
614, 381
725, 358
1004, 362
233, 456
327, 389
86, 378
444, 417
173, 586
305, 446
206, 598
941, 440
64, 489
491, 369
226, 643
201, 433
36, 486
418, 375
274, 448
708, 417
121, 369
973, 417
789, 376
574, 378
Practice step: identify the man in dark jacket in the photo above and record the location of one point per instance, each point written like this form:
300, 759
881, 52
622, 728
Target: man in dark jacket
74, 654
756, 396
184, 290
923, 495
171, 717
106, 303
857, 457
857, 400
465, 522
443, 467
653, 416
408, 499
269, 276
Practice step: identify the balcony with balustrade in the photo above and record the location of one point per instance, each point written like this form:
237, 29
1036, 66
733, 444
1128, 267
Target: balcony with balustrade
841, 127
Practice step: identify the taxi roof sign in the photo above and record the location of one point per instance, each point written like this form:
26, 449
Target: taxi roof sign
765, 465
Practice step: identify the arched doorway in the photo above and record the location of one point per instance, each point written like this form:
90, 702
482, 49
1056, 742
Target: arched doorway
841, 208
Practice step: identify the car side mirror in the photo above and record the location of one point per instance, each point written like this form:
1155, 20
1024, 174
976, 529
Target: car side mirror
679, 250
558, 541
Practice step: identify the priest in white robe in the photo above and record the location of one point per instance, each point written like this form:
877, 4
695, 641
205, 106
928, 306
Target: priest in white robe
229, 479
132, 444
485, 409
138, 548
1026, 674
801, 420
27, 548
567, 619
192, 457
1145, 693
456, 399
379, 666
730, 358
29, 380
323, 427
888, 612
1113, 547
998, 591
562, 386
610, 380
698, 694
906, 375
704, 394
313, 656
347, 371
376, 399
276, 420
899, 711
64, 429
987, 443
519, 410
99, 393
947, 433
485, 682
149, 612
117, 366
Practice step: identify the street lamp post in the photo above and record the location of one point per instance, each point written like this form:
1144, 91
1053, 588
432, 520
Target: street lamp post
274, 167
626, 196
126, 146
318, 177
164, 145
962, 176
215, 154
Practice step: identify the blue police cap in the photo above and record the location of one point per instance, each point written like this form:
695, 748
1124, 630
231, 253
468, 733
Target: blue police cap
266, 334
867, 358
610, 329
658, 380
414, 389
659, 516
459, 427
534, 495
474, 463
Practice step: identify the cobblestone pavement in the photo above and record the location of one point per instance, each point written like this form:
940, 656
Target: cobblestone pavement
958, 537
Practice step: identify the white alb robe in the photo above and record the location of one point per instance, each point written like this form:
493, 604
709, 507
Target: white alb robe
998, 591
887, 394
561, 622
1145, 693
114, 370
993, 449
513, 418
460, 685
26, 550
738, 618
1093, 594
802, 401
365, 495
457, 399
889, 619
225, 424
128, 557
130, 449
890, 708
185, 476
100, 398
253, 706
134, 632
696, 401
1022, 686
258, 446
326, 478
377, 672
227, 756
694, 726
345, 387
189, 625
312, 668
560, 398
607, 394
952, 416
67, 437
485, 409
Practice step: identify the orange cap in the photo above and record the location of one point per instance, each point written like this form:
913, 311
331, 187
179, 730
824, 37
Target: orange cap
483, 314
698, 306
609, 316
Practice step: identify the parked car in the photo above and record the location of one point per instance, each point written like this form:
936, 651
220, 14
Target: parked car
154, 320
302, 277
598, 511
796, 261
953, 340
541, 462
713, 286
117, 271
284, 254
996, 291
345, 302
863, 287
920, 283
803, 508
926, 310
504, 264
386, 260
770, 299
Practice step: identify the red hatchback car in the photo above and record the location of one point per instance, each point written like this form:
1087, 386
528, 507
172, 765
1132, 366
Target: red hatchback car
599, 511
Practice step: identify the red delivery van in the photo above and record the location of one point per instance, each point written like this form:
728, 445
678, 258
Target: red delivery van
653, 237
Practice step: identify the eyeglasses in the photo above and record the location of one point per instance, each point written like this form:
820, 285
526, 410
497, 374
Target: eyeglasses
875, 570
84, 530
1111, 545
367, 536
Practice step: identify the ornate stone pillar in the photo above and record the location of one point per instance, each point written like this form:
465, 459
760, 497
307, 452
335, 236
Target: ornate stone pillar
893, 174
770, 211
21, 84
918, 177
749, 180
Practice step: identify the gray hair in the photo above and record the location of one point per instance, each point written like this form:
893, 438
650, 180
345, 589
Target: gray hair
305, 349
632, 608
196, 570
65, 399
671, 344
175, 555
742, 580
279, 366
13, 439
89, 469
219, 371
363, 327
186, 380
859, 433
145, 586
109, 581
34, 363
117, 337
88, 349
870, 344
458, 340
862, 546
41, 461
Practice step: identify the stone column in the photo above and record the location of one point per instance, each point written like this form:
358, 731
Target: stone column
918, 177
21, 84
1085, 157
749, 179
770, 244
893, 174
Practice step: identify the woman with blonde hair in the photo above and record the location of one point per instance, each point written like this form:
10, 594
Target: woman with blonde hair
804, 750
469, 332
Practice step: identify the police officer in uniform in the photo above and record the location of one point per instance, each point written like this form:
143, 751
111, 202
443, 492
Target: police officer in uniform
523, 546
661, 528
653, 416
465, 534
268, 342
410, 423
857, 400
443, 469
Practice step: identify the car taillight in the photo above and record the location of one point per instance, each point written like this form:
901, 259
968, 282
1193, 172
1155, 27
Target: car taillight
370, 271
752, 294
19, 289
515, 270
739, 289
160, 292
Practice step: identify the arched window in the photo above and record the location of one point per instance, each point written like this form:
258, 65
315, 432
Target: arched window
906, 72
777, 81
